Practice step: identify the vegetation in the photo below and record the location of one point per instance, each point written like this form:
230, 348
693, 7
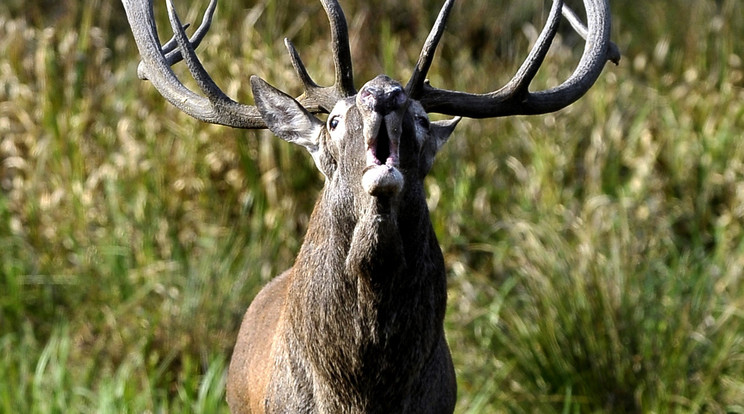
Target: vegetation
595, 255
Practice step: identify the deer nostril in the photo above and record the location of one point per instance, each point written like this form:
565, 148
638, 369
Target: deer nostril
382, 100
395, 97
368, 97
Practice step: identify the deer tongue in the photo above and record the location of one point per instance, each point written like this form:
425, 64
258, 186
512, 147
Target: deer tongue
382, 137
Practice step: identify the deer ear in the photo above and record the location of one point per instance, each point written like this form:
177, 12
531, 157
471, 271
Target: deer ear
439, 133
285, 117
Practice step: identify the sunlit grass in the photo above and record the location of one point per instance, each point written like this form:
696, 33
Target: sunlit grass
595, 255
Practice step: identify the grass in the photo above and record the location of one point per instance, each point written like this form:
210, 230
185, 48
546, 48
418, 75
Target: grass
595, 255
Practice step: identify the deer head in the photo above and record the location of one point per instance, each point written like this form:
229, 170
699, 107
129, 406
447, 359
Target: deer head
358, 319
373, 142
387, 123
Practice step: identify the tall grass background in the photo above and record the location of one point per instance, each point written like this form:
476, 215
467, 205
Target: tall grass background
594, 255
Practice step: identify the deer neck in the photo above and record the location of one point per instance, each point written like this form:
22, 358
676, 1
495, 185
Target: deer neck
374, 287
375, 244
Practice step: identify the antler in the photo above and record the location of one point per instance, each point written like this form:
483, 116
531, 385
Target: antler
216, 107
170, 48
324, 98
515, 98
512, 99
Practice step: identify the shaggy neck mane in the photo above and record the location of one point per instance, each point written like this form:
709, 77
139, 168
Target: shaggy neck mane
368, 287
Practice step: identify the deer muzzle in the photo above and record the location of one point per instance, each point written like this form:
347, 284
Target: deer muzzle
382, 103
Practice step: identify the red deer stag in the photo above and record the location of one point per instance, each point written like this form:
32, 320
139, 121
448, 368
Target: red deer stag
356, 325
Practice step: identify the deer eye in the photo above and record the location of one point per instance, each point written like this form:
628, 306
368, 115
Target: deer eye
333, 123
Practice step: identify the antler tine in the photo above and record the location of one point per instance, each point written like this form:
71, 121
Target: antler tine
205, 82
514, 98
170, 48
322, 99
217, 108
341, 51
416, 83
613, 52
519, 84
315, 98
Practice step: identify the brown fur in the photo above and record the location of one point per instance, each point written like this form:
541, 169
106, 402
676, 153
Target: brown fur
356, 325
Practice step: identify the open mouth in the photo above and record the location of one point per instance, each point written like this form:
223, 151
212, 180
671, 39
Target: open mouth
381, 175
381, 148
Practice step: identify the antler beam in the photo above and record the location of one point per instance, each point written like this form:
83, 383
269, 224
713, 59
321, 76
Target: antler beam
514, 98
214, 106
